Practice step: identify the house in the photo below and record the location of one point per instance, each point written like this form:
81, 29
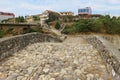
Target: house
48, 14
6, 15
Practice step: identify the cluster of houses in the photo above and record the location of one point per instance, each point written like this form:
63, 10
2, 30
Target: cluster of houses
45, 15
83, 13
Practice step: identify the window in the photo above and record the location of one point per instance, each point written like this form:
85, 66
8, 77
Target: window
9, 14
87, 10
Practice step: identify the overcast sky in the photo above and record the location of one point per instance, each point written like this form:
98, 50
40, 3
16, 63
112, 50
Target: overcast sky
30, 7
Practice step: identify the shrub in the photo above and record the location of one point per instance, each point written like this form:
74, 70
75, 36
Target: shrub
103, 24
57, 25
1, 33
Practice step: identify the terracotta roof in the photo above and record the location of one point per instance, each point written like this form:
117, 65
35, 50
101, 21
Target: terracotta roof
7, 14
66, 12
52, 11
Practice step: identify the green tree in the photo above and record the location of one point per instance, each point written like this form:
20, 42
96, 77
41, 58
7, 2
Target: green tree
1, 33
20, 19
36, 18
67, 18
52, 17
57, 25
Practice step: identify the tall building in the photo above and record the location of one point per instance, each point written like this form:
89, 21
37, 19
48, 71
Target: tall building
5, 15
86, 10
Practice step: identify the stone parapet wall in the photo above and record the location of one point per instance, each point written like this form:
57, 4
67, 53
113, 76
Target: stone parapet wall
115, 39
110, 55
10, 45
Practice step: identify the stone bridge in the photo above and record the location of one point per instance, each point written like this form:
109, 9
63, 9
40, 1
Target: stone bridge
18, 25
38, 56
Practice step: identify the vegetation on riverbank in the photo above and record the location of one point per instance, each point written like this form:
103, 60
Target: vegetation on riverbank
6, 32
104, 24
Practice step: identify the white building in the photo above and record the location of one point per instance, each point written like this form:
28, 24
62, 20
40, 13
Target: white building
45, 15
4, 15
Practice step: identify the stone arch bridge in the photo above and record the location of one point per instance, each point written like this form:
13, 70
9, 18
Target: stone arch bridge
37, 56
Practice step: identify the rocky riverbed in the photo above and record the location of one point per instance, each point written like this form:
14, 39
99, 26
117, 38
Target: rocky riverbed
73, 59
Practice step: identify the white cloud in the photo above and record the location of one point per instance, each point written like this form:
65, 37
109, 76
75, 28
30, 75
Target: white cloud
22, 7
115, 1
33, 7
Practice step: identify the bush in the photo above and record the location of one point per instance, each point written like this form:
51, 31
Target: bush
103, 24
1, 33
52, 17
20, 19
36, 30
57, 25
69, 30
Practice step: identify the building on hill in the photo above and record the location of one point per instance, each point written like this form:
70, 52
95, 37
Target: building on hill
86, 13
33, 18
48, 15
66, 13
66, 16
95, 16
6, 15
85, 16
43, 17
29, 19
86, 10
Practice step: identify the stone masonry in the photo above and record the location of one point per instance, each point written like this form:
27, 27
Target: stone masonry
73, 59
13, 44
109, 54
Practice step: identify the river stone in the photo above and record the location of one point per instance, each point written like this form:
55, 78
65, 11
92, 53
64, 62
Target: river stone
12, 77
46, 70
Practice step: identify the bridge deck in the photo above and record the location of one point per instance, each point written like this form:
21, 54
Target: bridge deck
73, 59
17, 24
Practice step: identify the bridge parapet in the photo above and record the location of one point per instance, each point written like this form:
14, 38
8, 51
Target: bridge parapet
9, 46
110, 55
18, 25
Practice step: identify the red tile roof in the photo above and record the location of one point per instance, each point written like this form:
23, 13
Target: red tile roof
50, 11
7, 14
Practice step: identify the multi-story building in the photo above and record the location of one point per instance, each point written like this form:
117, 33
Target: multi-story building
85, 13
5, 15
86, 10
66, 13
46, 15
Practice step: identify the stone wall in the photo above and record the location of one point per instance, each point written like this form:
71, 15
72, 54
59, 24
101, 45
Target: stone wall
109, 54
10, 45
115, 39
